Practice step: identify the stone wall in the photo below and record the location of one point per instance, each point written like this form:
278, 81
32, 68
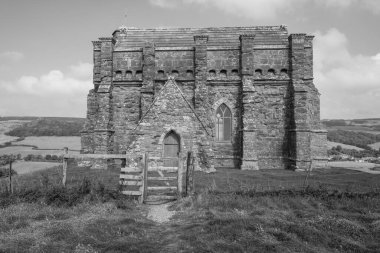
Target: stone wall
262, 74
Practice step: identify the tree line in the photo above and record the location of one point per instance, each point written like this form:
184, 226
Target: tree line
48, 127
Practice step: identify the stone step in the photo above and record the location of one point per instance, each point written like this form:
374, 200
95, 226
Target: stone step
153, 198
132, 193
131, 170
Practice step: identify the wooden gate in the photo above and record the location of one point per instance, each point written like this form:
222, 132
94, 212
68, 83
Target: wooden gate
162, 183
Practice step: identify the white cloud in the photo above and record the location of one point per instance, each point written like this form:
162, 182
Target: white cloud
82, 70
165, 3
54, 93
12, 56
349, 84
269, 9
256, 9
369, 5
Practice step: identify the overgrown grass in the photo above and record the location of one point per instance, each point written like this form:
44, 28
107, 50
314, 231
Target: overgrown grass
227, 180
86, 216
232, 211
313, 220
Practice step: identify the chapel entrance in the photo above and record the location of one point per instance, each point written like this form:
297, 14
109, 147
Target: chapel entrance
171, 149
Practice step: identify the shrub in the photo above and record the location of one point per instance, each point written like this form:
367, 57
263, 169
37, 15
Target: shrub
4, 172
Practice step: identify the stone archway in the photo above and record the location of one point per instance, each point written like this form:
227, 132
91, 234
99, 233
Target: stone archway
172, 149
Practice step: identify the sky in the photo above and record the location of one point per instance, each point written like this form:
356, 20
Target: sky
46, 49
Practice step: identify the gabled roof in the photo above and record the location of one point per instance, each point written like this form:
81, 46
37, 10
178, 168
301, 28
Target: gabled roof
170, 81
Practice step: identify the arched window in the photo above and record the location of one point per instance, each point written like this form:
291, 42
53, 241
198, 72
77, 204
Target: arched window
212, 74
235, 72
175, 73
160, 74
118, 75
128, 75
138, 74
223, 73
271, 72
189, 74
223, 123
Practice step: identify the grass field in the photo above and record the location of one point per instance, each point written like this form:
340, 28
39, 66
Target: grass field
47, 145
5, 126
22, 167
375, 145
363, 129
52, 142
231, 211
331, 144
24, 151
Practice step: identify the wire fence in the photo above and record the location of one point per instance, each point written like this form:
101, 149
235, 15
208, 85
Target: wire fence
227, 180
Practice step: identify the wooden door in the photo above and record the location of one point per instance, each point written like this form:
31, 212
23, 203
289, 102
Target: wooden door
171, 150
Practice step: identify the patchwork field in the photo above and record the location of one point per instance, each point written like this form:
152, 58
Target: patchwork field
52, 142
7, 125
331, 144
22, 167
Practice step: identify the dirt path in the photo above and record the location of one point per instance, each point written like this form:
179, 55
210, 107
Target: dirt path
160, 213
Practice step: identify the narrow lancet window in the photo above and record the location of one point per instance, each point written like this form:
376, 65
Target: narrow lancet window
223, 123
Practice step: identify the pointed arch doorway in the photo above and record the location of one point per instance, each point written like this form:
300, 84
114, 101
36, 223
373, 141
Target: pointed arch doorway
171, 149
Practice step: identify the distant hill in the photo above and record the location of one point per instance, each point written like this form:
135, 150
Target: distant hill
50, 126
357, 125
18, 118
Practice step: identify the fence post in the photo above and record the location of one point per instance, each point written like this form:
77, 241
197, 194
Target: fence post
10, 176
144, 177
64, 165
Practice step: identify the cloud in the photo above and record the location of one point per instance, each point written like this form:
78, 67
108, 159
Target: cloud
164, 3
349, 84
81, 70
256, 9
369, 5
13, 56
270, 9
54, 93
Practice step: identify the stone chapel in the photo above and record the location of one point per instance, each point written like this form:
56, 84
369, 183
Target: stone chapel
237, 97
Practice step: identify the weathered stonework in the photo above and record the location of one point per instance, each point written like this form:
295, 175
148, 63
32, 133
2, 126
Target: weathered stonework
151, 82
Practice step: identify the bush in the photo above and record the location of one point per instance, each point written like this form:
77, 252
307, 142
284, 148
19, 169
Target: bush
358, 139
4, 172
57, 195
